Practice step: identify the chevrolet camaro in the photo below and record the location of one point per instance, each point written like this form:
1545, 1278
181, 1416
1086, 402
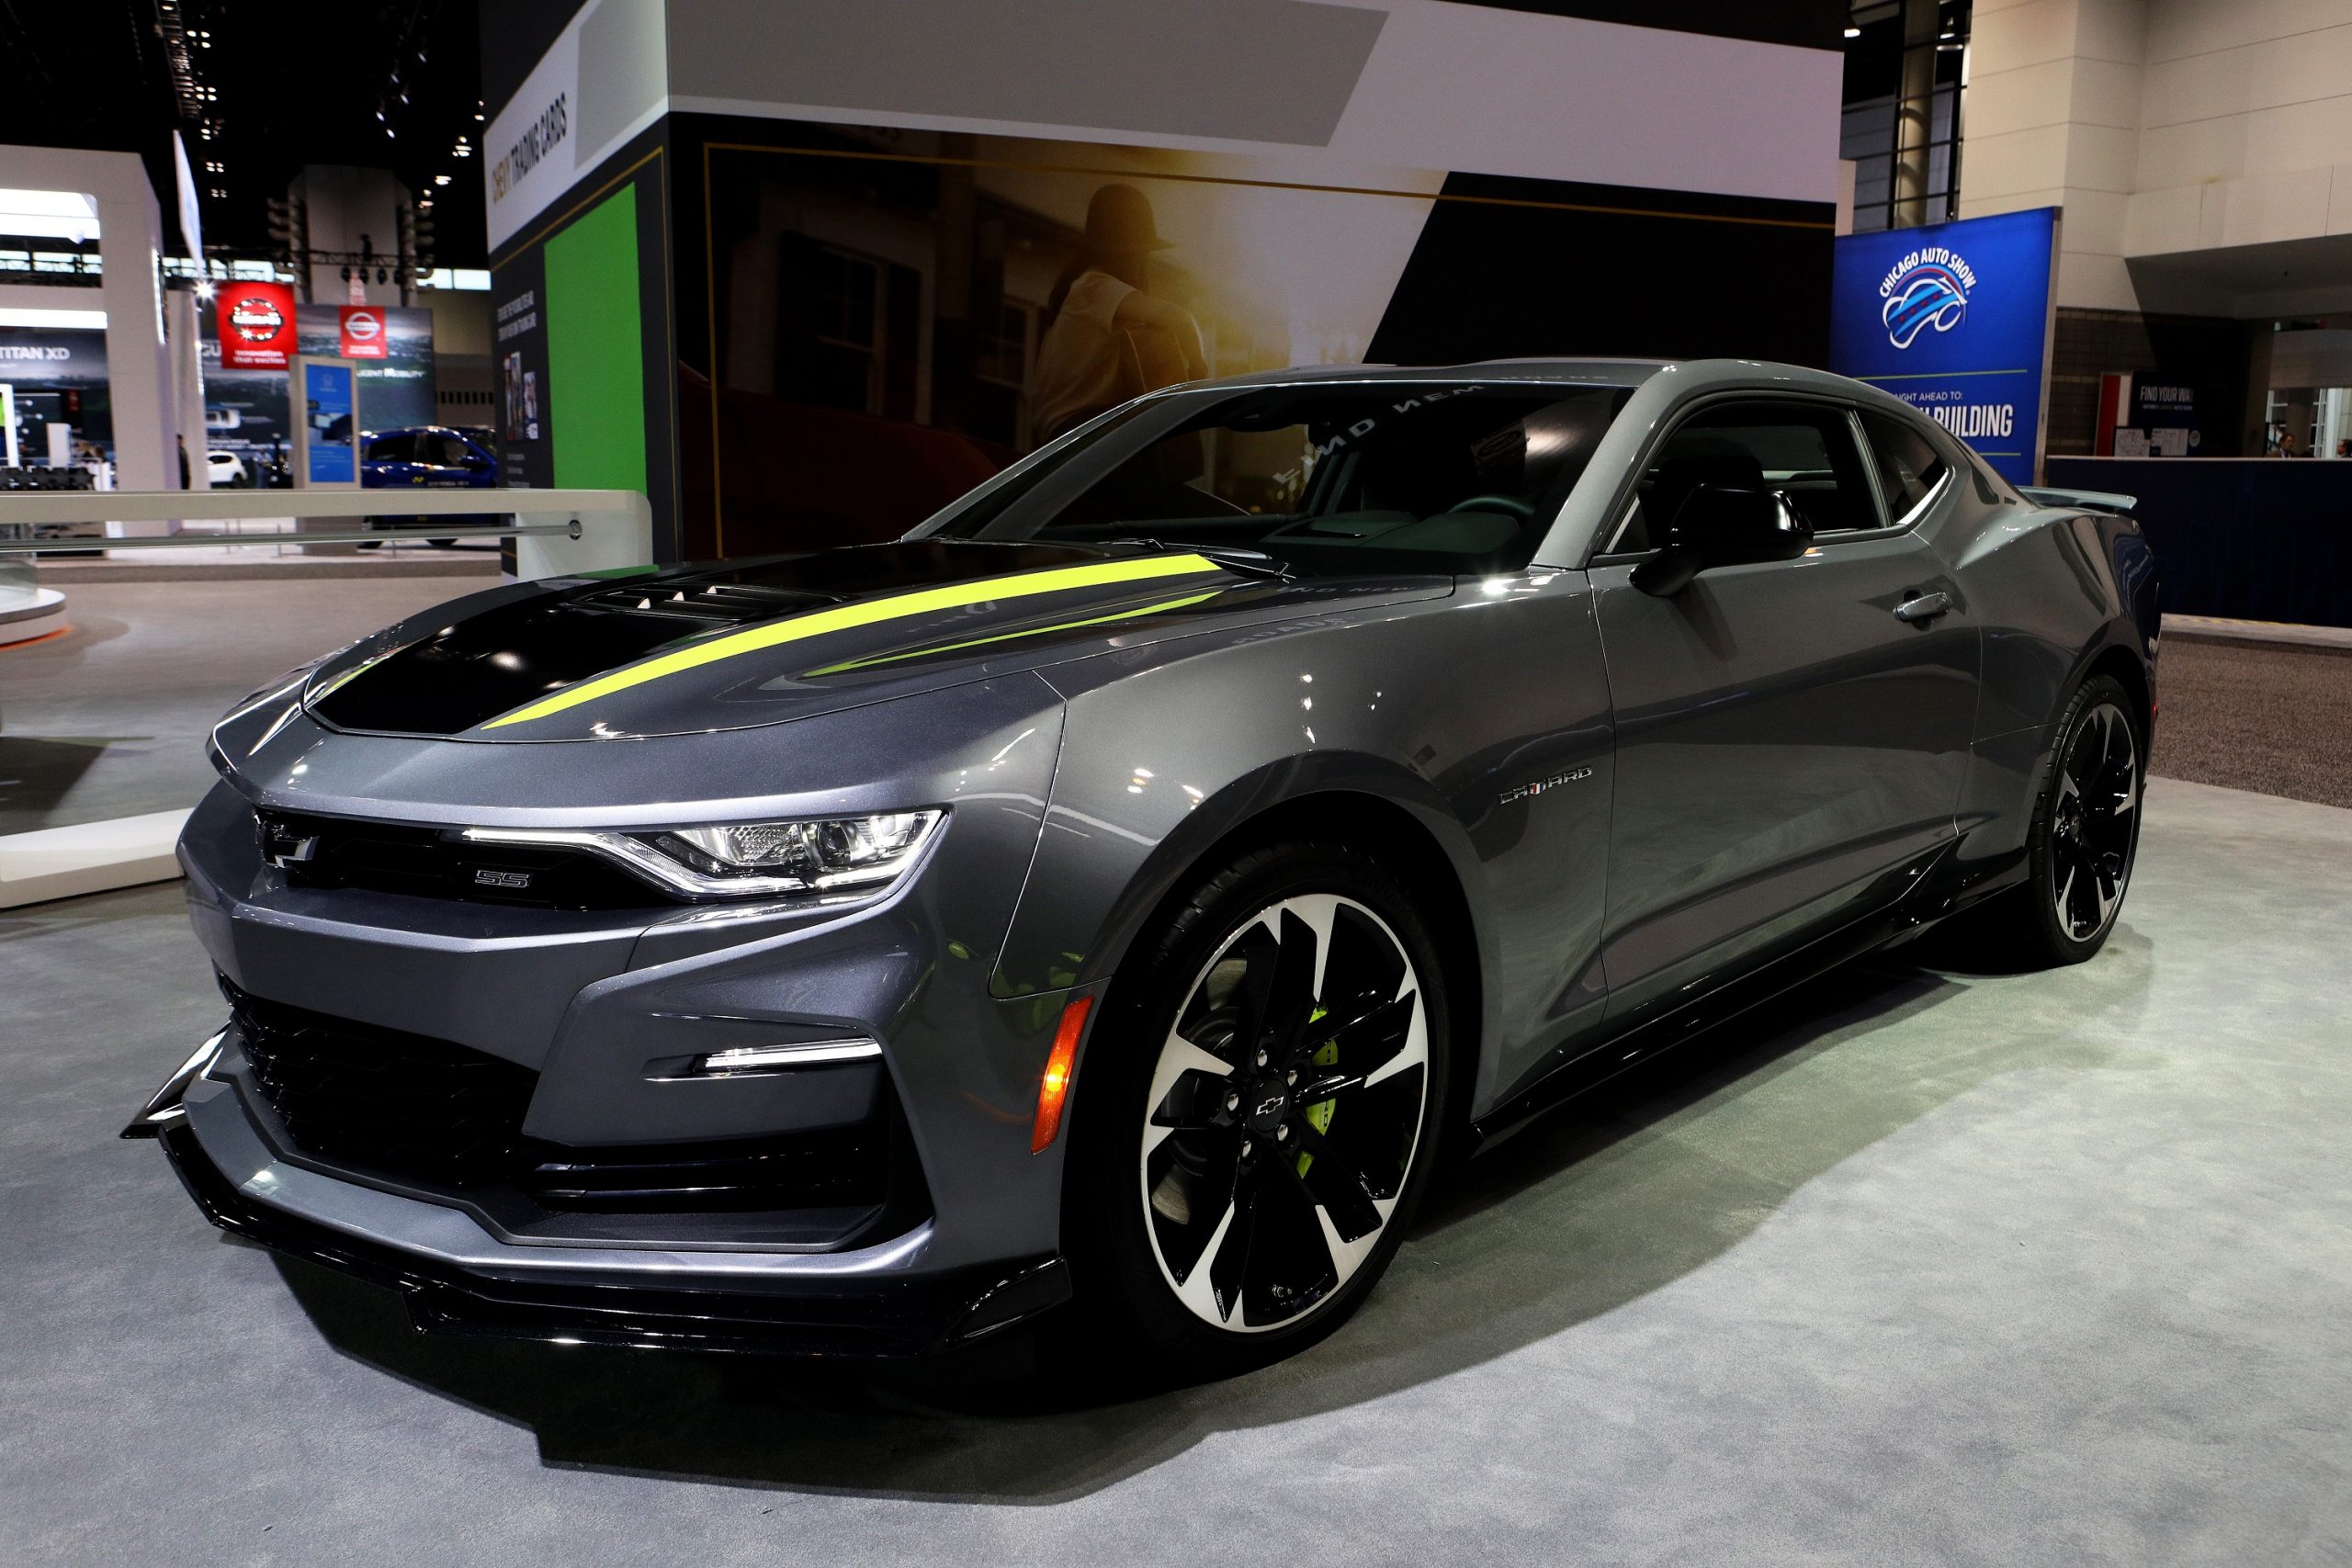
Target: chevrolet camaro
1126, 885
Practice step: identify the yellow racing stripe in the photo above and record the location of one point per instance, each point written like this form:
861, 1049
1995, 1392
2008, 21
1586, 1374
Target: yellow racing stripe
873, 612
1139, 612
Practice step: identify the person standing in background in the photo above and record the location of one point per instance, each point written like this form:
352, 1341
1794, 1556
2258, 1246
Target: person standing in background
1107, 337
184, 475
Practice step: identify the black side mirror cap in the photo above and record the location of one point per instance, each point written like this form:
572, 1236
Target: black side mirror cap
1719, 526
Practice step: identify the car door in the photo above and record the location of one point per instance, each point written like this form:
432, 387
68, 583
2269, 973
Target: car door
1784, 739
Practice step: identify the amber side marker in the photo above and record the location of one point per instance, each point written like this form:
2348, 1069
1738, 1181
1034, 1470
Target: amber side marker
1054, 1087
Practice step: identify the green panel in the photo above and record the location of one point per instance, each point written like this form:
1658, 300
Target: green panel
596, 350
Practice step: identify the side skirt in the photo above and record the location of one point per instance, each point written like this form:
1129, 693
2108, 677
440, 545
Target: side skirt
1922, 893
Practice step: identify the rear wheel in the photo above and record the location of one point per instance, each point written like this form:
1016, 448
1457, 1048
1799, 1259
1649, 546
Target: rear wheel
1258, 1117
2085, 837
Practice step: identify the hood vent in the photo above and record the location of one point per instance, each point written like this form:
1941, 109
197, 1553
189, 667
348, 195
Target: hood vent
710, 607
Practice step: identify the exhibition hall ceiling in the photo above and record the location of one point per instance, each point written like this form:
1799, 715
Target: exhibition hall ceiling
257, 92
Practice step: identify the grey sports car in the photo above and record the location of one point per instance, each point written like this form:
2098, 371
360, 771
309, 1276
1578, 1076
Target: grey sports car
1127, 885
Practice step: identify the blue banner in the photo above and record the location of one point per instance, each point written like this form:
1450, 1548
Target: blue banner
1954, 320
331, 401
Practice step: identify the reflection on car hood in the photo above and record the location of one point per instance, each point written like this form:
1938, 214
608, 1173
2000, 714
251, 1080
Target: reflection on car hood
697, 648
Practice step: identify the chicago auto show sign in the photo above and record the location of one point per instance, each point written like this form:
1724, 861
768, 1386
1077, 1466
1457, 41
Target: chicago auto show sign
1954, 319
256, 325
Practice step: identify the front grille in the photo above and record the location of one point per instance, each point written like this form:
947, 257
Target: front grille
436, 863
405, 1106
438, 1117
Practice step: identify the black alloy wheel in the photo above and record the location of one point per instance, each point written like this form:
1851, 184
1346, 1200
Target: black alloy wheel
2085, 836
2095, 822
1255, 1134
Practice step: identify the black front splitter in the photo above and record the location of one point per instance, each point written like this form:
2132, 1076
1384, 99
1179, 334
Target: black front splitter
878, 1318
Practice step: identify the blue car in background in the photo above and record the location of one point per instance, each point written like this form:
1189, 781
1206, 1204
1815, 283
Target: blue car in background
426, 457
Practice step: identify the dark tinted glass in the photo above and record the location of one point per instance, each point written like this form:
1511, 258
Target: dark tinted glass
391, 449
1805, 451
1909, 467
1325, 480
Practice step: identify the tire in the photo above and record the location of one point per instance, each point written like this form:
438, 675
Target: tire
2085, 837
1175, 1117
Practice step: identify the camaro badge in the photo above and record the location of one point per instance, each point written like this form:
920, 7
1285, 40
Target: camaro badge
1540, 785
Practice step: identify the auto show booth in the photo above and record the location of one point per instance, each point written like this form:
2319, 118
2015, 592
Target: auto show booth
795, 271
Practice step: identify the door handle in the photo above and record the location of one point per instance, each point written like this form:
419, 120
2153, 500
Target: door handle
1924, 608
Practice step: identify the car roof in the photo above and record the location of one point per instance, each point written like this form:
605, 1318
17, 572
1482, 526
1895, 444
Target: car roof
1602, 372
1693, 374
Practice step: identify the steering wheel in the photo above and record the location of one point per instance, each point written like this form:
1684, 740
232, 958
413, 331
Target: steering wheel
1522, 510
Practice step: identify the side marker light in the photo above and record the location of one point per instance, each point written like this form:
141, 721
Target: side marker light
1055, 1087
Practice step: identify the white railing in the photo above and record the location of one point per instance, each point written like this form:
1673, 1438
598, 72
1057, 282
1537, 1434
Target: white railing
557, 533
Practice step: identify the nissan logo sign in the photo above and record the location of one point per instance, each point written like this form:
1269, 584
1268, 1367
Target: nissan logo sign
365, 325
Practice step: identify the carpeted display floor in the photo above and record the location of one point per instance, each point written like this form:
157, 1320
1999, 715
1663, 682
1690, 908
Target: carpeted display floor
1921, 1267
2273, 719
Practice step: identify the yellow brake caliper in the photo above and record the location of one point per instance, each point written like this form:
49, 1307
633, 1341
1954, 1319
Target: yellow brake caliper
1319, 1115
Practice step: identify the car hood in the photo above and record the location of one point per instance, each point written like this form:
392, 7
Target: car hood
692, 649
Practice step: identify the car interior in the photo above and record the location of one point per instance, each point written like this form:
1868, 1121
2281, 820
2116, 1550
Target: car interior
1408, 480
1806, 451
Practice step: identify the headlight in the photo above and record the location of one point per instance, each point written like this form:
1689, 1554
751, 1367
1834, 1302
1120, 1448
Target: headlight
830, 854
820, 855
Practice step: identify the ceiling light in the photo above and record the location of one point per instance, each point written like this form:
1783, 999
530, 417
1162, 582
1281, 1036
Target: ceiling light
1853, 32
440, 179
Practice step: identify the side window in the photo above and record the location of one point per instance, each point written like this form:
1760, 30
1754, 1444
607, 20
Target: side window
391, 449
1909, 467
1805, 450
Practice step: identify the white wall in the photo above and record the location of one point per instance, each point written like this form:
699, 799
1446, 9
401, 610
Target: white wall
2050, 118
2245, 124
2177, 135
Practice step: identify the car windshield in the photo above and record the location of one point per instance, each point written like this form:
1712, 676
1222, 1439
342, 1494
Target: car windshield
1325, 480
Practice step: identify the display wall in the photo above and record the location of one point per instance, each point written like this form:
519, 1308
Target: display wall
58, 373
245, 411
857, 227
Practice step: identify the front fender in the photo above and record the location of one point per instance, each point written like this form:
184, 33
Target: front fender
1483, 718
1105, 865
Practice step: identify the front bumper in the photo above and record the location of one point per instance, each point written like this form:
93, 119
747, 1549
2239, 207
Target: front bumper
559, 1028
455, 1278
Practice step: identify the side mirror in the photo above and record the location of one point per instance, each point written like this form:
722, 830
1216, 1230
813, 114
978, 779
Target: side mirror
1720, 527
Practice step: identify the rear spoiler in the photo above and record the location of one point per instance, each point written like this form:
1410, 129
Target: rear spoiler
2091, 500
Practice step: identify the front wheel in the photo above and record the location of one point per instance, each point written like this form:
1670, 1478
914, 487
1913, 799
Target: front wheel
1259, 1115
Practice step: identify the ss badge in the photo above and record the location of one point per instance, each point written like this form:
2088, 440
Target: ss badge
486, 877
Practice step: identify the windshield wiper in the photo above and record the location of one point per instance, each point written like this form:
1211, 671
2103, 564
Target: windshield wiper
1249, 563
